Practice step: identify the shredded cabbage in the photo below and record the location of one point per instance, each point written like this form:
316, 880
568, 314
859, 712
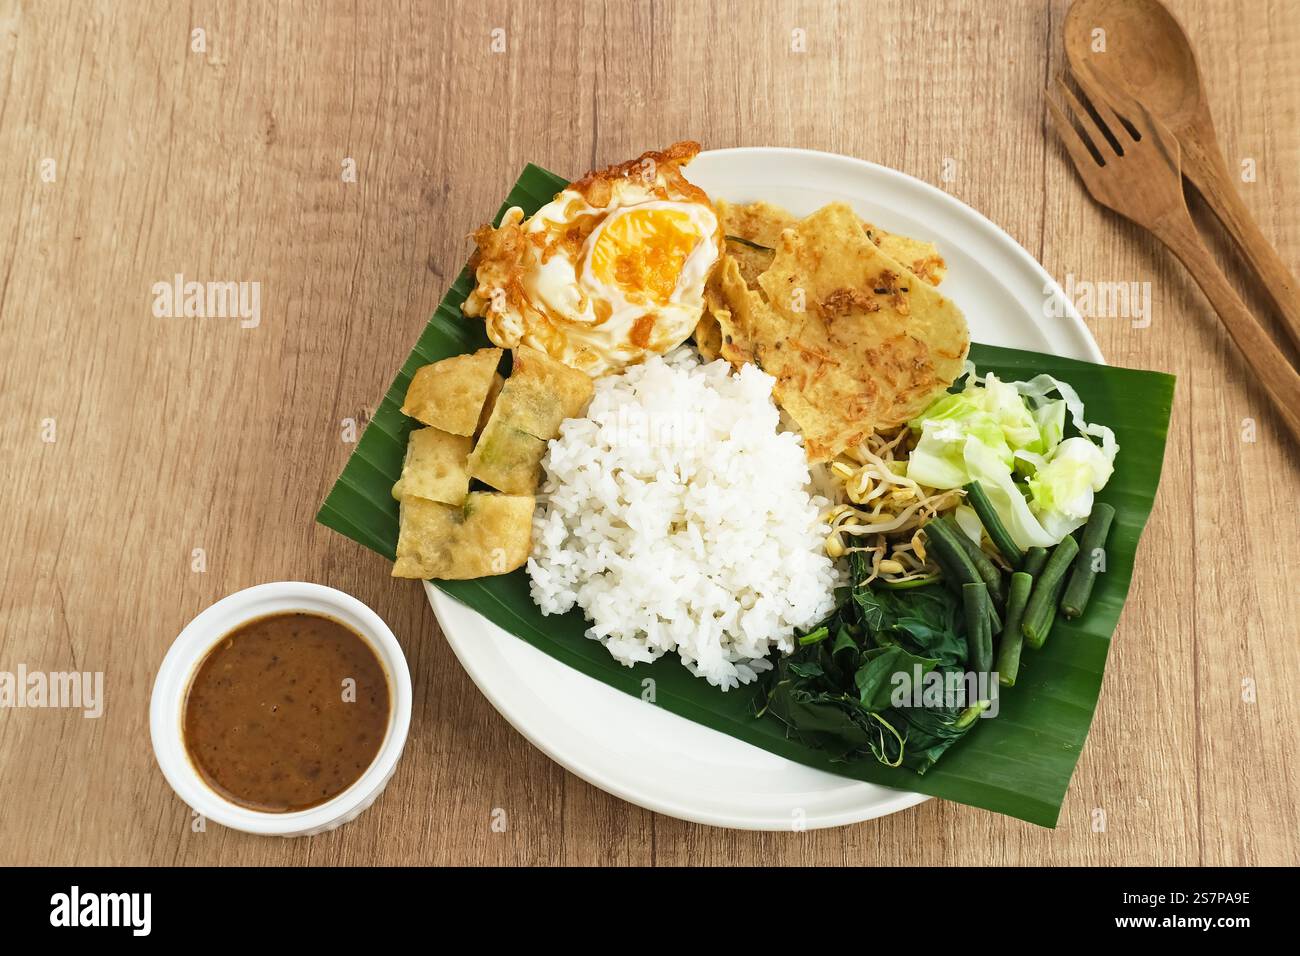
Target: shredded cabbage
969, 522
1009, 436
1063, 488
1039, 387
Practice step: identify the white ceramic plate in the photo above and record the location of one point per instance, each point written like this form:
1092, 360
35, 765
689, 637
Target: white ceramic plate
664, 762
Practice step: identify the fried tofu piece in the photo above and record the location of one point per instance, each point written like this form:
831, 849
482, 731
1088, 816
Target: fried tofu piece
489, 534
450, 394
541, 393
435, 467
494, 390
507, 458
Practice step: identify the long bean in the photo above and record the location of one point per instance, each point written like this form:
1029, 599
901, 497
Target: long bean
1041, 609
1035, 558
979, 635
956, 564
1093, 544
1013, 639
950, 555
987, 570
969, 715
997, 531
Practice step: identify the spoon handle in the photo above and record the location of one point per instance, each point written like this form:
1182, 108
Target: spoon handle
1204, 165
1257, 347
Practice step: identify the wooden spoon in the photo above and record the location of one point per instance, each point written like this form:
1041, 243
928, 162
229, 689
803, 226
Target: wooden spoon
1133, 168
1144, 58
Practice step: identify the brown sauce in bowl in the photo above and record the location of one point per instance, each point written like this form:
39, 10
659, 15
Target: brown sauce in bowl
286, 712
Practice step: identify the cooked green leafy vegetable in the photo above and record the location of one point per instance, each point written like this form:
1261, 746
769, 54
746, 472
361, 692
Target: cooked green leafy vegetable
852, 686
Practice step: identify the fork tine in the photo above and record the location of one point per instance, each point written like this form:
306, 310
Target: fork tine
1104, 104
1088, 123
1083, 158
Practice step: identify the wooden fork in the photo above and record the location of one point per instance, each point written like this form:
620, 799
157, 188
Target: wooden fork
1132, 166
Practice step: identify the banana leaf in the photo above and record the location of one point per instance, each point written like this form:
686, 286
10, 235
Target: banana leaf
1018, 763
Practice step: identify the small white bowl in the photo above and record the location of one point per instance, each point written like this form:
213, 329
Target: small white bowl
166, 709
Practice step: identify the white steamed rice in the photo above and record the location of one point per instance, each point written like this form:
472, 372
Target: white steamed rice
677, 516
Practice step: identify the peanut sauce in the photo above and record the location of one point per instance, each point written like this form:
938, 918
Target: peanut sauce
286, 712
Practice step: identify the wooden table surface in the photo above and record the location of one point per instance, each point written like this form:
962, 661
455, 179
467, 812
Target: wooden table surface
153, 465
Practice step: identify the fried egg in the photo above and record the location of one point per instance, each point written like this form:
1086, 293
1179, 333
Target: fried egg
611, 270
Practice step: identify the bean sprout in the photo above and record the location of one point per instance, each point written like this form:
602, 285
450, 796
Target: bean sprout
884, 510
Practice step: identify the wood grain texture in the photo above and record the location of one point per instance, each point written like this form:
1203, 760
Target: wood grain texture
177, 434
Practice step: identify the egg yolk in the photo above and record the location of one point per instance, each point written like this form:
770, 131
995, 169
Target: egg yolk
642, 251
